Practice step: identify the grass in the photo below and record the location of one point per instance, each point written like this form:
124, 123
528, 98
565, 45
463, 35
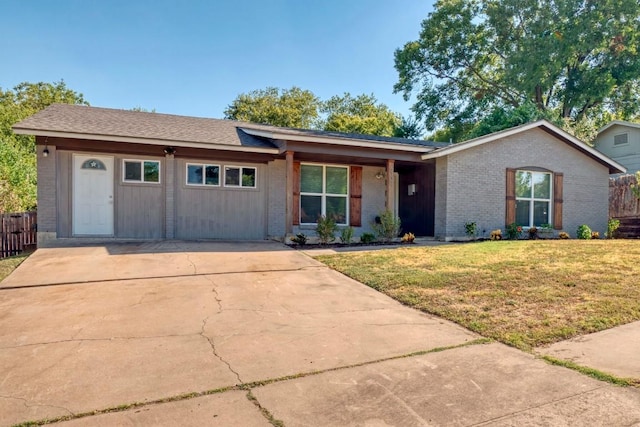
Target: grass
522, 293
7, 265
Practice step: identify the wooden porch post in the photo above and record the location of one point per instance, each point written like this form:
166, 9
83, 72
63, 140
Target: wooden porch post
390, 185
289, 194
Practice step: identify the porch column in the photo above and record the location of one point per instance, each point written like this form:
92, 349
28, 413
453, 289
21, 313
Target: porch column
169, 194
289, 193
390, 185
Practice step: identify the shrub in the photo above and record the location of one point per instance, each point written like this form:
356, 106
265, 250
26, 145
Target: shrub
471, 229
300, 239
514, 231
612, 227
346, 235
595, 235
563, 235
533, 232
408, 238
326, 229
388, 226
367, 238
496, 235
583, 232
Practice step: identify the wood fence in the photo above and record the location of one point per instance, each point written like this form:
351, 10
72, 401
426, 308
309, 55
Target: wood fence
17, 231
622, 202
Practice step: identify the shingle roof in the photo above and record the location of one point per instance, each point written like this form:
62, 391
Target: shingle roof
83, 120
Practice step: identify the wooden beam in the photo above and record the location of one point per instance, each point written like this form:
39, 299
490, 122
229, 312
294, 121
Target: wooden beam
390, 185
289, 193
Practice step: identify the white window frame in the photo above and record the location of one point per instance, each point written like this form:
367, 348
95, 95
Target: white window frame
533, 199
204, 169
241, 185
324, 194
141, 180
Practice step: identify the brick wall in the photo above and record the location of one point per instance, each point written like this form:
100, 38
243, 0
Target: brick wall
47, 195
475, 183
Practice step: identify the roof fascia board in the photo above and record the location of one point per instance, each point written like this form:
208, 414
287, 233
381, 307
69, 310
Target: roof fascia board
618, 123
335, 141
134, 140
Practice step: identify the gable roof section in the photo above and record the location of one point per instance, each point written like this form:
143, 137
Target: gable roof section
619, 123
614, 167
105, 124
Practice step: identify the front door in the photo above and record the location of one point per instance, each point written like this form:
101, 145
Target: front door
92, 195
416, 199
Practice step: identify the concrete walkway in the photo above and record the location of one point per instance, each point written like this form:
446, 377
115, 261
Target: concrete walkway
178, 333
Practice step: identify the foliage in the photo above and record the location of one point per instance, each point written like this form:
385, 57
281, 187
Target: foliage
326, 229
471, 229
408, 238
367, 238
18, 152
409, 128
583, 232
595, 234
564, 235
533, 233
293, 107
300, 239
514, 231
524, 293
577, 60
346, 235
496, 234
612, 226
388, 227
361, 114
635, 188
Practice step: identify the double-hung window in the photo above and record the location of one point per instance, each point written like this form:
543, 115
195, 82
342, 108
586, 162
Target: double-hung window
202, 174
323, 192
141, 171
533, 198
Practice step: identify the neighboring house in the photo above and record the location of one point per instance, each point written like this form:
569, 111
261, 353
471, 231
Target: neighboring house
132, 175
620, 141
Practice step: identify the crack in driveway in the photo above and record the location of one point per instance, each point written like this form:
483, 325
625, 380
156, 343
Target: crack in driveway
28, 404
215, 352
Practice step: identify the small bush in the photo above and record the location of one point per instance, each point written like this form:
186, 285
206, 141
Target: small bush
533, 232
595, 235
408, 238
514, 231
583, 232
326, 229
612, 227
496, 235
388, 226
471, 229
367, 238
346, 235
564, 235
300, 239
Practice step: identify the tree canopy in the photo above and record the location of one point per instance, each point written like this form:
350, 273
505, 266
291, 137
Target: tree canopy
294, 108
17, 152
574, 60
299, 108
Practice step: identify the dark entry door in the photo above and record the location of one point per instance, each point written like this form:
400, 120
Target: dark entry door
416, 201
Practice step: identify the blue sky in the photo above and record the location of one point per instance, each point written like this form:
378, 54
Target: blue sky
194, 57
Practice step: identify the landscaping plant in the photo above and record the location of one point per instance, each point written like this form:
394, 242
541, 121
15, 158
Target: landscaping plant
564, 235
471, 229
533, 233
408, 238
326, 229
346, 235
300, 239
367, 238
514, 231
612, 227
388, 228
583, 232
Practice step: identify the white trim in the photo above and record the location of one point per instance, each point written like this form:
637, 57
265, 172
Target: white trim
532, 199
618, 123
514, 131
323, 195
351, 142
149, 141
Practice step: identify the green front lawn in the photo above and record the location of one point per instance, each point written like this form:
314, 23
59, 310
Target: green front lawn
523, 293
7, 265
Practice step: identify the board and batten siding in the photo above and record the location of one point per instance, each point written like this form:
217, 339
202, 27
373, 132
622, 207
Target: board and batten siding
208, 212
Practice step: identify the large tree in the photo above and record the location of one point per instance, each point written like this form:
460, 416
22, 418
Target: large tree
361, 114
17, 152
576, 60
295, 108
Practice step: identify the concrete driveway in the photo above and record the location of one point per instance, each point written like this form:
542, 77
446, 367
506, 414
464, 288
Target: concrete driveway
182, 333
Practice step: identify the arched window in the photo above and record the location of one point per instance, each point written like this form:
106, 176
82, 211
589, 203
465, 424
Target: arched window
93, 164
